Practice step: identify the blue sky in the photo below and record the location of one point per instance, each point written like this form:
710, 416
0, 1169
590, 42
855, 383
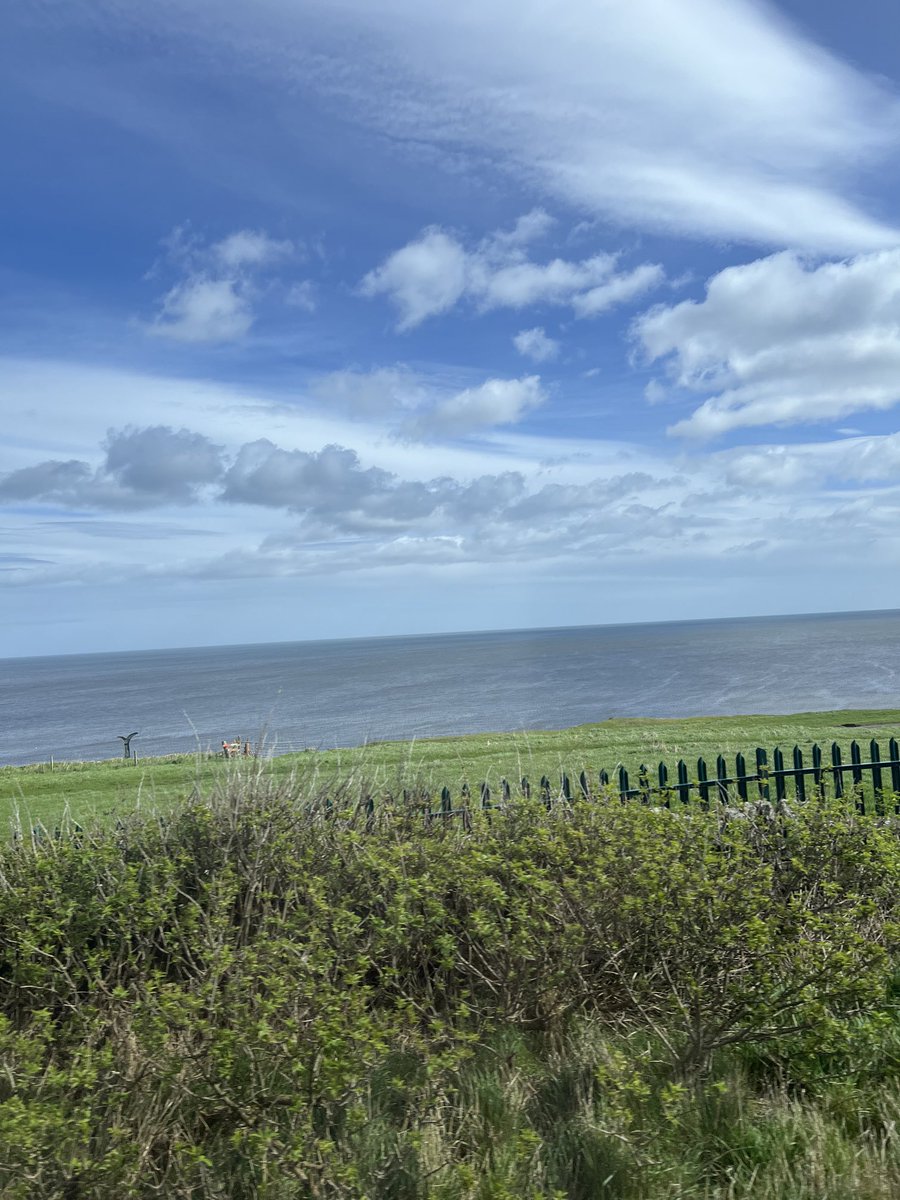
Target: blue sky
337, 319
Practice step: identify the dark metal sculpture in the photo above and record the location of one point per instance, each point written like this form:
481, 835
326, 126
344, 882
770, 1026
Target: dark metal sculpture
125, 738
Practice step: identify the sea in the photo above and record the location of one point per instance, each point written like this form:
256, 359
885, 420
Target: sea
324, 694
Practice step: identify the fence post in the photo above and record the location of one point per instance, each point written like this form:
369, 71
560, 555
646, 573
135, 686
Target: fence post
526, 787
721, 776
799, 777
604, 779
446, 802
684, 788
762, 770
584, 785
545, 790
778, 772
566, 788
504, 790
663, 776
855, 760
877, 783
857, 775
370, 812
623, 784
644, 784
837, 771
485, 796
894, 751
740, 770
817, 767
875, 757
702, 784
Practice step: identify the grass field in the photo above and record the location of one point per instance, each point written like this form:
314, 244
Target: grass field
106, 790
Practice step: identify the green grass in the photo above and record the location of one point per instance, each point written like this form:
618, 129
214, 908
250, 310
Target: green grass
106, 790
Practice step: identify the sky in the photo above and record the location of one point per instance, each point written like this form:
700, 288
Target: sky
333, 318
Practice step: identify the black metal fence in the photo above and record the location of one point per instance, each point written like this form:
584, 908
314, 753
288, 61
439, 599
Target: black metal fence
871, 784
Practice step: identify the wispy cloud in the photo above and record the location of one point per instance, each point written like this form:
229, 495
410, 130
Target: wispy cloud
711, 118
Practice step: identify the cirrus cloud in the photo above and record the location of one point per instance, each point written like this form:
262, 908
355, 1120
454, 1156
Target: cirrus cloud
706, 118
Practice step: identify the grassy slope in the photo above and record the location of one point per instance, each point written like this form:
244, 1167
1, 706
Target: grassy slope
101, 790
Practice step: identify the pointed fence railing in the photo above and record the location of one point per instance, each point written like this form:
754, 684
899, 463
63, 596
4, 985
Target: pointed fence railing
772, 780
871, 784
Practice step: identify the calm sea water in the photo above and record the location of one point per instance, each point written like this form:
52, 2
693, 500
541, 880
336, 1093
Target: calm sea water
344, 693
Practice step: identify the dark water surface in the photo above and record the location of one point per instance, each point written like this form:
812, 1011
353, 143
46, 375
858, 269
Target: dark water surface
344, 693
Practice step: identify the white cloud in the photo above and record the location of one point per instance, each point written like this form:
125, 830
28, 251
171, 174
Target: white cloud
536, 345
496, 402
861, 460
423, 279
162, 462
521, 284
213, 302
426, 408
432, 274
413, 405
782, 341
250, 248
204, 310
618, 290
329, 481
143, 468
530, 227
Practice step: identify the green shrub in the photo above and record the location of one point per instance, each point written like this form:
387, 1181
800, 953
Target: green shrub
281, 995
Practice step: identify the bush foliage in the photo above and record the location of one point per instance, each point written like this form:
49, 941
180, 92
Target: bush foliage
276, 994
